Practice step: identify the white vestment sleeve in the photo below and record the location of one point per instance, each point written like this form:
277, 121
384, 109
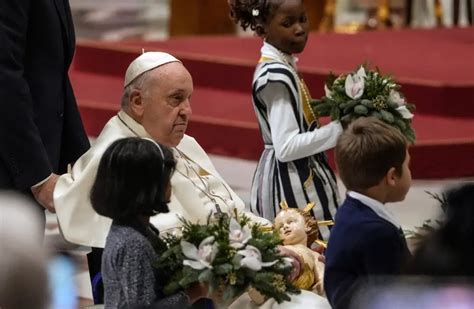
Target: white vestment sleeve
288, 142
78, 221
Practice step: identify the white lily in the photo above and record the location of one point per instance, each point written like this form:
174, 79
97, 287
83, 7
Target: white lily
252, 259
396, 98
202, 257
361, 72
287, 261
327, 91
355, 83
403, 110
238, 235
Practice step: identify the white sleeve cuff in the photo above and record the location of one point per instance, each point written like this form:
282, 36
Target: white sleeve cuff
41, 182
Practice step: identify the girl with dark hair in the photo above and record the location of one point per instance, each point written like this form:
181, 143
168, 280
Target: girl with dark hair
293, 167
132, 184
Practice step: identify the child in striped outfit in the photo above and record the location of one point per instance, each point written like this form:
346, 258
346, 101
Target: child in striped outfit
293, 168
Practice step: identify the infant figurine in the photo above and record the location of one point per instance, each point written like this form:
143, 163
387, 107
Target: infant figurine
298, 230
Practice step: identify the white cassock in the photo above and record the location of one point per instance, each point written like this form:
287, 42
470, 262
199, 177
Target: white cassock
80, 224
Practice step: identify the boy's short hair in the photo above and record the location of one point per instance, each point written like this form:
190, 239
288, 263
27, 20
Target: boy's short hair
132, 180
366, 150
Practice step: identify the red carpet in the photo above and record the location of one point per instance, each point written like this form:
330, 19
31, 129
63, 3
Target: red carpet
433, 66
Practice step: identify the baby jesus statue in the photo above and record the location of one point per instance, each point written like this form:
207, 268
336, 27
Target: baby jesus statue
299, 230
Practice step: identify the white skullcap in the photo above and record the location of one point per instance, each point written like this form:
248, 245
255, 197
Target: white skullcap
146, 62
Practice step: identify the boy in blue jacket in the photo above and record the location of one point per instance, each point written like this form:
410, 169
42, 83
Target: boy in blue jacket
373, 162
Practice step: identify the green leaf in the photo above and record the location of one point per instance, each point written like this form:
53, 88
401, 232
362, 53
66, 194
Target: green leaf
401, 124
376, 114
223, 269
328, 100
229, 293
189, 276
392, 104
335, 113
410, 134
367, 103
213, 286
361, 109
206, 276
322, 109
387, 116
315, 102
349, 106
171, 288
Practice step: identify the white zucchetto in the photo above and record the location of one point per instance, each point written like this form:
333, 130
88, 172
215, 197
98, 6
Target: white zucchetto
146, 62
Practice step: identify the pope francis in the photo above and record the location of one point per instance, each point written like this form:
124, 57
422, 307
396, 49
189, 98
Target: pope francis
155, 104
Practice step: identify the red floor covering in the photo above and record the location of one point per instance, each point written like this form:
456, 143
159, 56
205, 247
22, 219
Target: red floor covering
433, 67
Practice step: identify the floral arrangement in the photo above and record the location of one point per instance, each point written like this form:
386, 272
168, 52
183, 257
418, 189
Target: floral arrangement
365, 93
230, 254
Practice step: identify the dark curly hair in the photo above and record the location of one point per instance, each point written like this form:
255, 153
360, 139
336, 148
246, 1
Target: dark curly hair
241, 12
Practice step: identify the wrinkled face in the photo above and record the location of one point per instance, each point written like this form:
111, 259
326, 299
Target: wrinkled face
292, 227
288, 28
402, 182
166, 105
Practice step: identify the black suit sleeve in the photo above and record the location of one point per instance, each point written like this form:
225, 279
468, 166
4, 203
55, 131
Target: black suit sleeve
383, 252
21, 147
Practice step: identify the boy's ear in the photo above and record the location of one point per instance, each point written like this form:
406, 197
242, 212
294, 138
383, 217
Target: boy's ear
391, 176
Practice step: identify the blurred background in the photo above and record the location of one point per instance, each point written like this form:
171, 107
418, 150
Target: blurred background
113, 20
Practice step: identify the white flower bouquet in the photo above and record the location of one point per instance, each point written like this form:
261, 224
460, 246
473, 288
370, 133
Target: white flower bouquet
365, 93
230, 254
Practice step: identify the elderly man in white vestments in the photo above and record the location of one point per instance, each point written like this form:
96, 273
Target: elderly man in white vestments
155, 104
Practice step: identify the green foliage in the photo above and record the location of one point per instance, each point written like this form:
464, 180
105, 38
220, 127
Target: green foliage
376, 101
387, 116
442, 200
428, 226
361, 110
227, 275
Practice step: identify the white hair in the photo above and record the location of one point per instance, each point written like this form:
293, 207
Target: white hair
141, 82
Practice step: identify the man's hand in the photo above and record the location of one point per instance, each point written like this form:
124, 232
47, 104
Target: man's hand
44, 193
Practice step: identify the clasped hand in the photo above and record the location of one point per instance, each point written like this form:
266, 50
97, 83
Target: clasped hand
44, 193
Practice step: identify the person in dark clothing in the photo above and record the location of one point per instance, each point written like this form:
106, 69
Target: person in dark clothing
373, 162
132, 184
41, 131
441, 272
